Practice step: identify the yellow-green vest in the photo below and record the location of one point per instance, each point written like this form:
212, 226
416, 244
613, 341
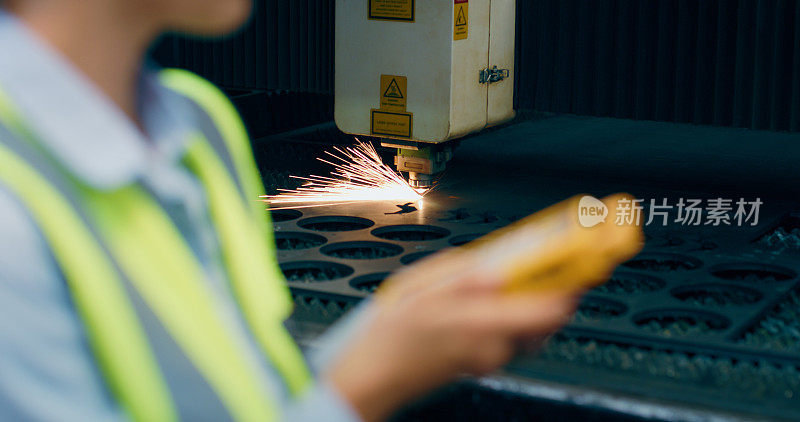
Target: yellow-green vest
147, 309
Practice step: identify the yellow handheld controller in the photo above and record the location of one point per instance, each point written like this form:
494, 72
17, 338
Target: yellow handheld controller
549, 250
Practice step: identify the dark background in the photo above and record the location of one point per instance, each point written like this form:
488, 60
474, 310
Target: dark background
719, 62
727, 63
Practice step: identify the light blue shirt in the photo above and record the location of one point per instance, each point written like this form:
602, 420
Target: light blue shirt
47, 371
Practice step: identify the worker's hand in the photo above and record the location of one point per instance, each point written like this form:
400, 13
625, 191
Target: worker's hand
427, 330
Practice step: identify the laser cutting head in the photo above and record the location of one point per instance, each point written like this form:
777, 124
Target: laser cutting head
422, 162
420, 180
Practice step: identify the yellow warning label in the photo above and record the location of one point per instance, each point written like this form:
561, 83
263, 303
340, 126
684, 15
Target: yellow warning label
389, 123
461, 20
391, 10
393, 93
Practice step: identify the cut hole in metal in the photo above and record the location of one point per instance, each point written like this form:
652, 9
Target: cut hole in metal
485, 218
596, 309
752, 272
411, 232
663, 262
779, 329
368, 282
456, 215
464, 238
680, 322
361, 250
707, 245
335, 223
314, 271
414, 257
628, 282
785, 236
298, 240
714, 294
671, 240
279, 216
326, 307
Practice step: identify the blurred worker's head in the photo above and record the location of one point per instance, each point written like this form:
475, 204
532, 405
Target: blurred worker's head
204, 17
201, 17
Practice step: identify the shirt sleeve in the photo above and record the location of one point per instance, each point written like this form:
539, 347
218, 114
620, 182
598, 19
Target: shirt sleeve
321, 403
324, 402
48, 371
334, 341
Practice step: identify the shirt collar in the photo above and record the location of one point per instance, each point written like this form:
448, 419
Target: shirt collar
77, 123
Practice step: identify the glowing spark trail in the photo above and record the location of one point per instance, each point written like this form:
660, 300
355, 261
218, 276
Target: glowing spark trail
358, 175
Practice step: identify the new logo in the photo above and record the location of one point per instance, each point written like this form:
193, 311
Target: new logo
591, 211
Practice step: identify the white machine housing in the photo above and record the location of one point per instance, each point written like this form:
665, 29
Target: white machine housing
445, 95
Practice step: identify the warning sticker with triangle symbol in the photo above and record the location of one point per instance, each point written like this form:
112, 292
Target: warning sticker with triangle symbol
461, 20
393, 92
392, 119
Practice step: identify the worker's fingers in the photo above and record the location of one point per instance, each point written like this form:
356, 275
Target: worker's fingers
438, 272
454, 283
534, 315
519, 315
532, 343
489, 356
477, 283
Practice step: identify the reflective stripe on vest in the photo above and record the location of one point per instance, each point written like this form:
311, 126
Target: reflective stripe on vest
114, 334
148, 249
249, 255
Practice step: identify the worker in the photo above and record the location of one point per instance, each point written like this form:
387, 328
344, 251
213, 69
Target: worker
138, 278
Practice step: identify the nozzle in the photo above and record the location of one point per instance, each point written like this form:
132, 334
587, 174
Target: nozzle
421, 161
420, 180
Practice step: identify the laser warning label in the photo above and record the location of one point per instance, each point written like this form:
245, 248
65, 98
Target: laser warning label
393, 93
461, 20
389, 123
391, 10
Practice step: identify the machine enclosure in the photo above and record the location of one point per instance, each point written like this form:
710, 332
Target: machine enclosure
445, 98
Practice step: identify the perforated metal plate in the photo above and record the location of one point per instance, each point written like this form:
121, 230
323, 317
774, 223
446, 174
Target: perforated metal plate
677, 293
705, 315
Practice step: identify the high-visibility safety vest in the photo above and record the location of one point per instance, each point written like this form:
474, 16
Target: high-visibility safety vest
139, 290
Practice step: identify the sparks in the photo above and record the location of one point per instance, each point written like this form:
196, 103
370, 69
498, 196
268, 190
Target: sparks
358, 175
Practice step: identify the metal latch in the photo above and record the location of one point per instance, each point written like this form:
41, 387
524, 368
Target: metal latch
493, 75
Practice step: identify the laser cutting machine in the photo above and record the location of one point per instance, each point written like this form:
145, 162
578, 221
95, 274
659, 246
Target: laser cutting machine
421, 74
702, 325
